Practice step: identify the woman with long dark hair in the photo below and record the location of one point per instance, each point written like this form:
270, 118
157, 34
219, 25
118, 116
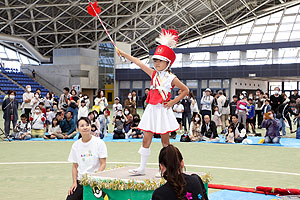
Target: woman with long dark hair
179, 186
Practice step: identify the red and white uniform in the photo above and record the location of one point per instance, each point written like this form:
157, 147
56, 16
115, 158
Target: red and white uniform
156, 118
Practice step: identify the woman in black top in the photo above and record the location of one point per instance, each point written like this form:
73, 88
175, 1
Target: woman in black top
179, 186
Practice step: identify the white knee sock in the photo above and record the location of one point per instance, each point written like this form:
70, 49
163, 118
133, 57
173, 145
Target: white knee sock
145, 153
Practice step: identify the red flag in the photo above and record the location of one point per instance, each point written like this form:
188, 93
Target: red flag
91, 8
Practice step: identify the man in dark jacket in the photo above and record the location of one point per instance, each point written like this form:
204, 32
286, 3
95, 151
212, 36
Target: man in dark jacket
209, 130
10, 111
145, 98
283, 114
295, 96
187, 114
239, 129
276, 99
233, 105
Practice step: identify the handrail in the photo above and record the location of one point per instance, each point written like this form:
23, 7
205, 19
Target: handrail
44, 79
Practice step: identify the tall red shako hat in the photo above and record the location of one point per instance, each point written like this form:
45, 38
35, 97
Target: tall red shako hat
168, 39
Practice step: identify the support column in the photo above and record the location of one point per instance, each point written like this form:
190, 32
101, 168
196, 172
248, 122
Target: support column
243, 57
275, 56
213, 56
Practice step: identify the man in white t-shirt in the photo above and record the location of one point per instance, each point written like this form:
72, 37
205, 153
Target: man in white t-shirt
27, 97
178, 110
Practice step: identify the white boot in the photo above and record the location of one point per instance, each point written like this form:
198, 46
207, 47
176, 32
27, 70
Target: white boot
145, 153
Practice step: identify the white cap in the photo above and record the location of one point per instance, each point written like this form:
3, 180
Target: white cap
208, 90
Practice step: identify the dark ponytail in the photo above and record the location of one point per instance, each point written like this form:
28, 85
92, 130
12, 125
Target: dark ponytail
171, 158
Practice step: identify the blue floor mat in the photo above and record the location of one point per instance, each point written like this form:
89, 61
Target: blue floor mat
236, 195
284, 142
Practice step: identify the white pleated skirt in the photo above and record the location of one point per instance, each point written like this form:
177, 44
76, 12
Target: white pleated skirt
158, 120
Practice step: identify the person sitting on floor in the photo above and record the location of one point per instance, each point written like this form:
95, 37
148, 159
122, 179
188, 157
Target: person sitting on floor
272, 126
128, 123
229, 136
67, 127
54, 128
178, 185
238, 129
22, 131
209, 130
119, 132
93, 115
37, 123
195, 128
94, 130
83, 110
135, 132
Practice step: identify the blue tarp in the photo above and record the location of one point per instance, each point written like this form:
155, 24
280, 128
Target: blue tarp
236, 195
284, 142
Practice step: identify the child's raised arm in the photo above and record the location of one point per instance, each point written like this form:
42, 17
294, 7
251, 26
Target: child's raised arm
138, 62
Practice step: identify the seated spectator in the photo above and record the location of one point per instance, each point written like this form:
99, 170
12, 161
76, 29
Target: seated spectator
60, 117
178, 185
93, 118
126, 112
238, 129
130, 104
54, 129
50, 115
117, 106
229, 136
119, 132
37, 123
104, 121
135, 132
94, 130
178, 110
22, 131
83, 110
272, 126
195, 128
48, 100
68, 128
209, 130
128, 123
43, 109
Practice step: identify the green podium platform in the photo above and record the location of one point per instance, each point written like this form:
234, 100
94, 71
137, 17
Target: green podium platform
118, 184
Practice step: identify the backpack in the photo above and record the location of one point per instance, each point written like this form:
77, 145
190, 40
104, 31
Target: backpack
185, 138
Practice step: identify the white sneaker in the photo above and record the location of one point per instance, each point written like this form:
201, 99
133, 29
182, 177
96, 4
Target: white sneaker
137, 172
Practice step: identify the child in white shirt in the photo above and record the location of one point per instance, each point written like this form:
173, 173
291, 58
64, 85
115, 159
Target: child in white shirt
178, 110
117, 106
53, 129
83, 111
229, 137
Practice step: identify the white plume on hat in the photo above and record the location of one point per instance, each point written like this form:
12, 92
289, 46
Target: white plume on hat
168, 38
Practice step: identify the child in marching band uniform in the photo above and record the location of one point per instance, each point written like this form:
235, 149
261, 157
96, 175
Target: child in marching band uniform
158, 118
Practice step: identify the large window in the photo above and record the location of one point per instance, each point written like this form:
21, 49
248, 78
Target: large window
13, 59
